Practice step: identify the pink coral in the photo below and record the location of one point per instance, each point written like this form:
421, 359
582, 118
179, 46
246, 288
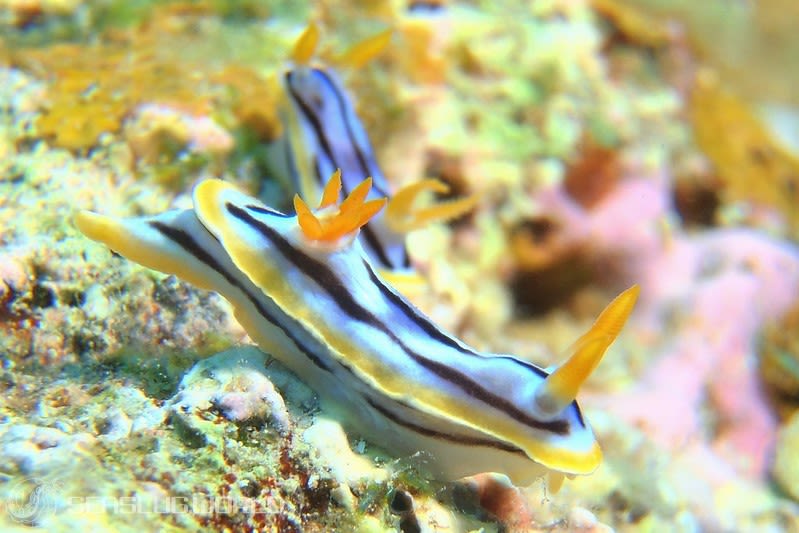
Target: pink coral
732, 282
517, 510
704, 300
504, 501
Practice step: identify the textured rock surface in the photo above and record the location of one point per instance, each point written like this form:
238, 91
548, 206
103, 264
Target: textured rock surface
568, 124
786, 462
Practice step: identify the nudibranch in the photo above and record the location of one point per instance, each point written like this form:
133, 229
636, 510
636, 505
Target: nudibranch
322, 133
306, 292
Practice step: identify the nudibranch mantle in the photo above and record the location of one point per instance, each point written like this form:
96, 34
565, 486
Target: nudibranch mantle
386, 370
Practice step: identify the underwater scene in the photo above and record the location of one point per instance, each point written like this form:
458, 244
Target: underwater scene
399, 266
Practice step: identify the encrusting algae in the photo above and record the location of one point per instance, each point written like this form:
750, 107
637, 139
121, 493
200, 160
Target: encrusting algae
181, 58
753, 168
779, 363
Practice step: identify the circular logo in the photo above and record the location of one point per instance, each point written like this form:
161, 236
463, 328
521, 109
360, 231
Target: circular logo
29, 499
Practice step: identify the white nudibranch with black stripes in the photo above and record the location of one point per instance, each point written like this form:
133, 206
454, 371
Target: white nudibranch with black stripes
306, 292
323, 133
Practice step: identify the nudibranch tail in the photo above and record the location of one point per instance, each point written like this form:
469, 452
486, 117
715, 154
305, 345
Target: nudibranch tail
402, 217
353, 213
561, 386
364, 51
306, 44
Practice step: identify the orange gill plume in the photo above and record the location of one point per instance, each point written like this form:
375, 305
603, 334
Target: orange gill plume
327, 224
403, 216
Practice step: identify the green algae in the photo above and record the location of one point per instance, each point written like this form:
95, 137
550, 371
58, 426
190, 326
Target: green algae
157, 374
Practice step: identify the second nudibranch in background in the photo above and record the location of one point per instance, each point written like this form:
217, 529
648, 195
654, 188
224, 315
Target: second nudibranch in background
323, 134
305, 291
